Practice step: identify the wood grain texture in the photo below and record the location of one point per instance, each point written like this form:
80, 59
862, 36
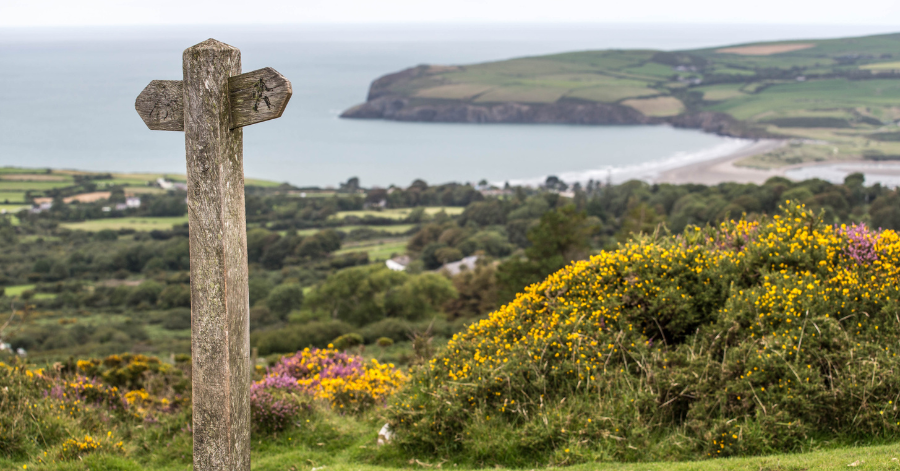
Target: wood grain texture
160, 105
220, 343
258, 96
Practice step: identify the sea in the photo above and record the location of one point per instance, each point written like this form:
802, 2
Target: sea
67, 101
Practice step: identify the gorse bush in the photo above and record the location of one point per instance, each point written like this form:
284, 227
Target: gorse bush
88, 406
747, 338
346, 382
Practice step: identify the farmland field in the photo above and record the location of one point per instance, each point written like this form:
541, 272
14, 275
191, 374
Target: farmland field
392, 229
12, 196
18, 290
12, 208
138, 224
753, 83
7, 186
398, 213
378, 249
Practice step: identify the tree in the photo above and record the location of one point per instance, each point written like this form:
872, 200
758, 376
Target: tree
172, 296
285, 298
561, 236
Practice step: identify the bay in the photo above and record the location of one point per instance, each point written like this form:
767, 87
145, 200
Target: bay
67, 98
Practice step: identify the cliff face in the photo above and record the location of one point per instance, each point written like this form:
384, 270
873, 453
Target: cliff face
384, 103
401, 109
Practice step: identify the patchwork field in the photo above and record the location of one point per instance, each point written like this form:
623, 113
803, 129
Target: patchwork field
378, 249
138, 224
851, 79
398, 213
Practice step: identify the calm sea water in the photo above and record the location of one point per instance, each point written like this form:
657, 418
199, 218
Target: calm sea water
67, 100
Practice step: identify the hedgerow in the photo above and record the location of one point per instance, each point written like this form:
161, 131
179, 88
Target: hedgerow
747, 338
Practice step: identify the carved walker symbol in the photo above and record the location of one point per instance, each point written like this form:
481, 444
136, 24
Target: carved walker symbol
259, 94
162, 110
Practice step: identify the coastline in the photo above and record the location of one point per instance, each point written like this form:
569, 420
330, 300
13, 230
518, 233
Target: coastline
722, 169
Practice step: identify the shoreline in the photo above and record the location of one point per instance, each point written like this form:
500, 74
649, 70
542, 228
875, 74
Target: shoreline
722, 169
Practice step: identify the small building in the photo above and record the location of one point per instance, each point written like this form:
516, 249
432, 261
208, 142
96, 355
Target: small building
467, 263
398, 263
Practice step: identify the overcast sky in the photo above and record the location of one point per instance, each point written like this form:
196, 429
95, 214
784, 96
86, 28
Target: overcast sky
173, 12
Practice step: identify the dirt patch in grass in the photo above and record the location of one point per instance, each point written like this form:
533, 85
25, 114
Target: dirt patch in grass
660, 106
458, 91
765, 49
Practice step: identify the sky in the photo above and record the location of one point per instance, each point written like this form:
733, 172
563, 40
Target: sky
29, 13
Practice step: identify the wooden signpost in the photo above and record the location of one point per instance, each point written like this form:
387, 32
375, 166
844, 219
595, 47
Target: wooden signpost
211, 105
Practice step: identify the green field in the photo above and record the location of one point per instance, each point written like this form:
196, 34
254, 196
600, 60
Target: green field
11, 186
292, 451
12, 196
398, 213
11, 291
12, 208
15, 181
392, 229
378, 250
138, 224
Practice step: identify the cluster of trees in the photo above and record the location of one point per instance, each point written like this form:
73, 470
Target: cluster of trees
304, 292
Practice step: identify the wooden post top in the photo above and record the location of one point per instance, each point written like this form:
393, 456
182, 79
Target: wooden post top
254, 97
211, 44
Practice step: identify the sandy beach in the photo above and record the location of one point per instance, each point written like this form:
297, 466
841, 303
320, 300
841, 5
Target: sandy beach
722, 169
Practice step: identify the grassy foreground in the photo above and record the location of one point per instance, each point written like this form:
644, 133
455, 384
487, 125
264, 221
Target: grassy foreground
281, 453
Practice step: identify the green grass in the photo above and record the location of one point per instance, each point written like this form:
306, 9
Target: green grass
292, 451
12, 196
10, 186
17, 290
821, 95
260, 182
12, 208
20, 170
392, 229
399, 213
138, 224
378, 250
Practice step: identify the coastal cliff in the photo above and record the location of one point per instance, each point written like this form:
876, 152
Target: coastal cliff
384, 102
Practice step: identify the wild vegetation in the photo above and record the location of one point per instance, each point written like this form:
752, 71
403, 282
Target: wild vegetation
747, 338
316, 262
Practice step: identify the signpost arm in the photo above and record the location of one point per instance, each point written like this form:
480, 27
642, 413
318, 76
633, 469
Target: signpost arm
220, 341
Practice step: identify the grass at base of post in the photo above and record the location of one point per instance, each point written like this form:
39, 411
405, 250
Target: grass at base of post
281, 454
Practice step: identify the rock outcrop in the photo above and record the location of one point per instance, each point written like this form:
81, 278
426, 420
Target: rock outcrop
562, 112
383, 102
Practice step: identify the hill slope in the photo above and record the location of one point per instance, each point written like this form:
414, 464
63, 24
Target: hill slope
835, 90
750, 338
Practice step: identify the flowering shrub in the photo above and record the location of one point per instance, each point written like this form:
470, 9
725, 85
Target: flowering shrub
271, 413
75, 448
747, 338
345, 381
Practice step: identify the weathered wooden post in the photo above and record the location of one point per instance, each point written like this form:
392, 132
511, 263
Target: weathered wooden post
211, 105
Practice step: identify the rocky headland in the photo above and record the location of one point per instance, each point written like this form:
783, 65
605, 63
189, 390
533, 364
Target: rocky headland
383, 102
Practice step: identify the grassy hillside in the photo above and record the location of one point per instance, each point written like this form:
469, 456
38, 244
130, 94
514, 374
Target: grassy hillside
842, 91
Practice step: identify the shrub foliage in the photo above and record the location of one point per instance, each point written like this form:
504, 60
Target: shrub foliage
747, 338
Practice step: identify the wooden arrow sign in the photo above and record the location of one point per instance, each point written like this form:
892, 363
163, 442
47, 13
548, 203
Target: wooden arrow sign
258, 96
255, 97
161, 105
